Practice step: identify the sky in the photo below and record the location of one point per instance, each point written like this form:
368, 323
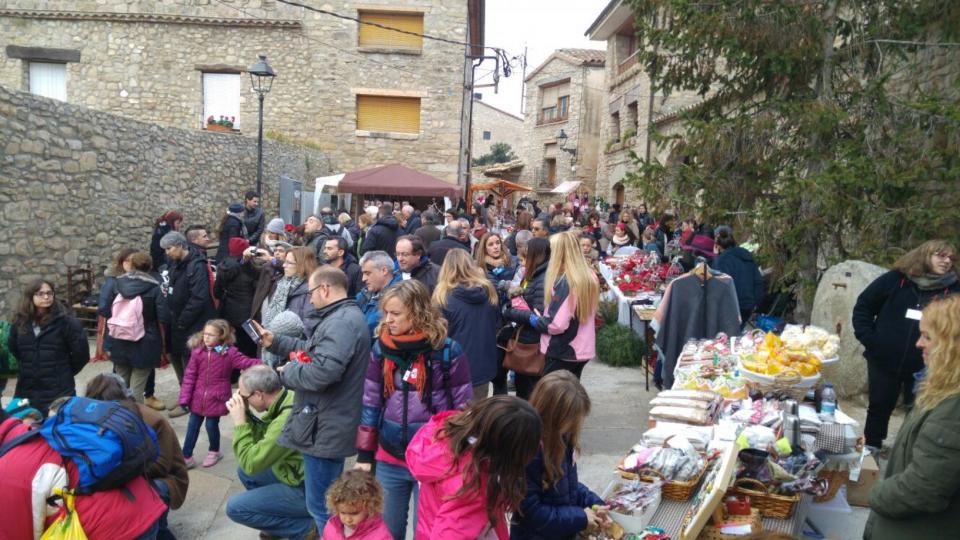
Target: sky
542, 26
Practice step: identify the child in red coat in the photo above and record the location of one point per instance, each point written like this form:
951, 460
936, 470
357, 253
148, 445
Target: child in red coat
355, 502
206, 385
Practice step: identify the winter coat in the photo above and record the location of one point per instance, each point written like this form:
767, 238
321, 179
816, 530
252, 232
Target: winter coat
919, 496
156, 252
429, 234
533, 296
145, 352
107, 293
234, 288
354, 230
267, 276
369, 304
233, 227
473, 323
206, 379
255, 443
392, 423
413, 224
351, 268
555, 513
326, 410
49, 361
170, 467
562, 336
29, 473
372, 528
438, 250
880, 323
189, 301
254, 223
738, 263
427, 273
382, 236
440, 514
299, 302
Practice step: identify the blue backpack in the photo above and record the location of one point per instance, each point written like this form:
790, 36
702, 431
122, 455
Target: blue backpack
109, 444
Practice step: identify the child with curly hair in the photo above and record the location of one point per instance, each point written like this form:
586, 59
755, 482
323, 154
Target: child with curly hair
355, 502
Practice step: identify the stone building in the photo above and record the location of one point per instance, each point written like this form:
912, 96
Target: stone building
363, 94
630, 110
564, 93
491, 126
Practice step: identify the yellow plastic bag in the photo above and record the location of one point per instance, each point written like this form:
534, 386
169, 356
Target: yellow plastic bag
67, 526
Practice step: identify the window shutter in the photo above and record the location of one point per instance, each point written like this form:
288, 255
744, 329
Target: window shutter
374, 36
388, 114
48, 80
549, 96
221, 96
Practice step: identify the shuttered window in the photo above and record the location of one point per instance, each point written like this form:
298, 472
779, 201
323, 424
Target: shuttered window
388, 114
48, 80
381, 38
221, 97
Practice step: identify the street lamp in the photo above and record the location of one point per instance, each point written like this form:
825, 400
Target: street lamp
261, 80
562, 139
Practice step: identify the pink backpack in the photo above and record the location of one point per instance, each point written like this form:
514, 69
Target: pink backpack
127, 320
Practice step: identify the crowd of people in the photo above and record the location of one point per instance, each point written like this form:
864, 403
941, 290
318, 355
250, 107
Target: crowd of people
385, 335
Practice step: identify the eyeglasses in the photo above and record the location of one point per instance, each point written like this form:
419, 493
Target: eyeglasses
318, 286
44, 294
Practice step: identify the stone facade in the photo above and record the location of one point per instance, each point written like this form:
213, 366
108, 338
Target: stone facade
145, 60
76, 185
502, 127
580, 72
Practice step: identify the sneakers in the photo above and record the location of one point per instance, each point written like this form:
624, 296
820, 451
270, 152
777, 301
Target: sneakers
212, 459
177, 412
191, 463
154, 403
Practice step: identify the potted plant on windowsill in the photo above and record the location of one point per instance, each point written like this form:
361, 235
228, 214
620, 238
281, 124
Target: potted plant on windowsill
224, 124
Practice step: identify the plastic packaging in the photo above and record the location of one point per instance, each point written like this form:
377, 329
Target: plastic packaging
828, 403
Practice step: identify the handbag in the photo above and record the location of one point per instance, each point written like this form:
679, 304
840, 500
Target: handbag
523, 358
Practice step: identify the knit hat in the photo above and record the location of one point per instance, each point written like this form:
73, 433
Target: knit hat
235, 208
276, 226
237, 245
20, 408
286, 323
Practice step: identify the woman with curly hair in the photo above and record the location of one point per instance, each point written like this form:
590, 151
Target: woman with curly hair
919, 496
415, 371
355, 502
885, 321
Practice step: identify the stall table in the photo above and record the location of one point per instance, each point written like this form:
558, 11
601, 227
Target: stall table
669, 516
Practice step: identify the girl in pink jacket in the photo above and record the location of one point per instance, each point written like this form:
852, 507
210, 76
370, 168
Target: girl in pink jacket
206, 385
471, 468
355, 502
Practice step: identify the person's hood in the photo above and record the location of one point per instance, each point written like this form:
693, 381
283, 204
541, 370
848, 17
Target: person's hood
739, 253
389, 221
471, 295
135, 283
430, 460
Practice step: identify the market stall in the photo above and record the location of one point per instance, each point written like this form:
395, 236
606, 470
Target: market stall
397, 181
746, 440
503, 189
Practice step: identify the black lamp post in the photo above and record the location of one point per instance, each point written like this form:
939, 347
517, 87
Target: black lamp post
562, 139
261, 79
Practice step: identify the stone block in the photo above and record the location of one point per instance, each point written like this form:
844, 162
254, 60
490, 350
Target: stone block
88, 161
71, 167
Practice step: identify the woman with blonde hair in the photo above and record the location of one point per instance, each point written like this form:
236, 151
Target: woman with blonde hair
469, 303
885, 321
415, 371
571, 293
919, 496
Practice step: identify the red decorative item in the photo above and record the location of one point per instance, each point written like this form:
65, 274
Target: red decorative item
301, 357
738, 505
289, 227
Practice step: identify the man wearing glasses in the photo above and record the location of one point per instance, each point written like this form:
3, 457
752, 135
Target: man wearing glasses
273, 476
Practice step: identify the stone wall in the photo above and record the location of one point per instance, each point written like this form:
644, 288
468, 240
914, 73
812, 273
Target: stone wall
503, 127
76, 184
144, 60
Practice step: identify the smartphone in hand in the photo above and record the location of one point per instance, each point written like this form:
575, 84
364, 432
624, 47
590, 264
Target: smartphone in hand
252, 331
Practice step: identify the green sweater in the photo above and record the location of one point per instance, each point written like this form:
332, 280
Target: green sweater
255, 444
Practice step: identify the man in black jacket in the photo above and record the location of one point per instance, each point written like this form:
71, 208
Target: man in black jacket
413, 260
253, 217
382, 235
231, 226
336, 254
189, 299
429, 232
438, 249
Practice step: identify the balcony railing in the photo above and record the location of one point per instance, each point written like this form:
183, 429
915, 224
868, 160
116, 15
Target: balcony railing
628, 63
541, 119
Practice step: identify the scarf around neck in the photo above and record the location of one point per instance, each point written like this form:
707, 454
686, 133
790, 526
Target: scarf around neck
409, 354
278, 302
929, 282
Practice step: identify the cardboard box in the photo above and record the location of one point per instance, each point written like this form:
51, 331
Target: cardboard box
858, 493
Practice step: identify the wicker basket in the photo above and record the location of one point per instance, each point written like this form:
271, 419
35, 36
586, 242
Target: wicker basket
674, 490
711, 532
769, 504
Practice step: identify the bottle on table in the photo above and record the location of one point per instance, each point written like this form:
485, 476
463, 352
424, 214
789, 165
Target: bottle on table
828, 404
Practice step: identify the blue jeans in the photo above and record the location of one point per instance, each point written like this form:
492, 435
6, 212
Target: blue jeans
269, 505
398, 485
164, 491
318, 474
193, 431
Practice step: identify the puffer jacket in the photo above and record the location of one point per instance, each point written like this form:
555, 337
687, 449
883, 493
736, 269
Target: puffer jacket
473, 323
206, 379
392, 424
533, 296
561, 334
329, 388
189, 300
49, 361
382, 236
738, 263
145, 352
555, 513
234, 288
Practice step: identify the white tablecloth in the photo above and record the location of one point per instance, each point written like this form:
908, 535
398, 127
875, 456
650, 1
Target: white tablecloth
624, 302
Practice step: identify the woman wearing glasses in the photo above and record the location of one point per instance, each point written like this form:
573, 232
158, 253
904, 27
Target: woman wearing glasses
886, 321
292, 292
50, 344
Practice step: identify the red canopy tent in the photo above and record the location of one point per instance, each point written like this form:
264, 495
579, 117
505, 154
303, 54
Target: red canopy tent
397, 180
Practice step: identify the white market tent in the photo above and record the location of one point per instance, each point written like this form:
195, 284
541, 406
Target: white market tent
566, 187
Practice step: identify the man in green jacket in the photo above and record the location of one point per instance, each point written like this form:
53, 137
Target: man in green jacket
274, 502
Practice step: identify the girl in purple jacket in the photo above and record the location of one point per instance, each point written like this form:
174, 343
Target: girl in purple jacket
206, 385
